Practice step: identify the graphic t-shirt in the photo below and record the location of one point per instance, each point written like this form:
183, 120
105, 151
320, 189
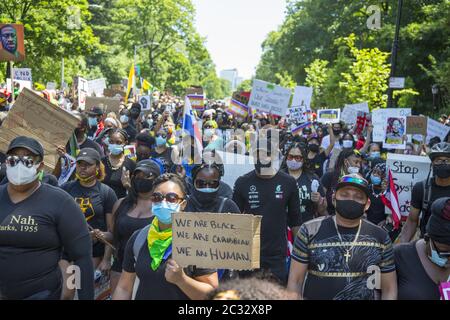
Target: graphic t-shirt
307, 207
165, 158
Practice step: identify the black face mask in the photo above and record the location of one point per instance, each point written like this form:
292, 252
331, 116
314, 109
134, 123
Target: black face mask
442, 171
350, 209
336, 132
205, 197
313, 148
142, 185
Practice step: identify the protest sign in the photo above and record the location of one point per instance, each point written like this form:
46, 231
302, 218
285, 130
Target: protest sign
350, 112
302, 97
269, 98
235, 165
395, 133
295, 129
416, 125
35, 117
379, 118
298, 114
406, 171
196, 91
96, 87
12, 46
23, 74
436, 129
243, 97
362, 121
328, 115
130, 152
197, 102
216, 240
113, 93
238, 109
109, 104
145, 102
51, 86
68, 165
81, 89
22, 84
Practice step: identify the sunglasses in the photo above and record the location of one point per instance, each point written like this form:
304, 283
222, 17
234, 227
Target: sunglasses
292, 157
170, 197
26, 160
441, 254
199, 183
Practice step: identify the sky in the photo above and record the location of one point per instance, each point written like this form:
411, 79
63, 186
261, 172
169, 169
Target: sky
235, 30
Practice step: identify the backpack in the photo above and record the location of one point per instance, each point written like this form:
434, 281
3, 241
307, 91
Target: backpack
426, 199
104, 189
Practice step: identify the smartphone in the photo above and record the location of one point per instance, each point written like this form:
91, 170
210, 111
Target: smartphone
388, 227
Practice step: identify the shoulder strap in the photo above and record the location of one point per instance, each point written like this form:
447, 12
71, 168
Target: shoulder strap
426, 195
104, 190
139, 241
222, 203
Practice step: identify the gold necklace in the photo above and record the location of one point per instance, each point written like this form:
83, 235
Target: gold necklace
347, 254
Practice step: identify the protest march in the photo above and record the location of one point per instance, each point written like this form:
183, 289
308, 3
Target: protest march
133, 191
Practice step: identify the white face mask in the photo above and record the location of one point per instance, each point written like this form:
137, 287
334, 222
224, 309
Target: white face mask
20, 175
347, 144
353, 170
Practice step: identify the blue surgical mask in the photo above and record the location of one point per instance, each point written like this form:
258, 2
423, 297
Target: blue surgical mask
150, 122
375, 154
208, 190
436, 259
347, 144
106, 141
92, 122
115, 149
124, 119
376, 181
164, 210
160, 141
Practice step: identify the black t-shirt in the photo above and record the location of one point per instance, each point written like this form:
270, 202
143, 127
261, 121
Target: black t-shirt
327, 182
113, 177
329, 276
376, 212
413, 281
132, 132
164, 158
307, 207
417, 195
153, 284
194, 205
277, 201
95, 203
317, 163
32, 234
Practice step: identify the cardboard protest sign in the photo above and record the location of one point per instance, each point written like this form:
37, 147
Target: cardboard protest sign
269, 98
350, 112
12, 46
96, 87
379, 121
216, 240
238, 109
298, 114
395, 133
328, 115
406, 171
302, 97
23, 74
436, 129
196, 91
109, 104
35, 117
416, 125
112, 93
145, 102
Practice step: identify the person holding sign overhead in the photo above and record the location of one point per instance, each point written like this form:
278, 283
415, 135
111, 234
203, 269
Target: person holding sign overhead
148, 253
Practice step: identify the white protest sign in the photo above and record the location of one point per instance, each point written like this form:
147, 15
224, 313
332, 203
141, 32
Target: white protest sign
51, 86
68, 165
395, 133
235, 165
216, 240
145, 102
298, 114
406, 171
269, 98
328, 115
379, 120
436, 129
83, 88
23, 74
96, 87
302, 97
22, 84
350, 112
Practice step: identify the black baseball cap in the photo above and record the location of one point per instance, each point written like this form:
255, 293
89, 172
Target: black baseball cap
149, 167
95, 111
27, 143
89, 155
354, 180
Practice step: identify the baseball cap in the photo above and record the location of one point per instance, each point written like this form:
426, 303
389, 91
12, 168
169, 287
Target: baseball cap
89, 155
28, 143
95, 111
354, 180
149, 167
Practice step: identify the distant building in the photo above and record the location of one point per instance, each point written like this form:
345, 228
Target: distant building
232, 76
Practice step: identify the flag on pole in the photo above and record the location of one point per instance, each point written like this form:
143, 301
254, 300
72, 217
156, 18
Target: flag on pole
146, 85
131, 84
192, 126
390, 200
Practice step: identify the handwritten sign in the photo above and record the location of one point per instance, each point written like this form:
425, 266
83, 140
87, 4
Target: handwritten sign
436, 129
406, 171
96, 87
328, 115
23, 74
35, 117
379, 120
416, 125
269, 98
350, 112
298, 114
302, 97
216, 240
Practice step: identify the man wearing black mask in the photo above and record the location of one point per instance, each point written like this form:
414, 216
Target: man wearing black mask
344, 257
424, 193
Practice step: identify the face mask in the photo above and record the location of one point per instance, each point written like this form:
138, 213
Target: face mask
442, 171
163, 211
115, 149
142, 185
92, 122
259, 166
205, 195
350, 209
150, 122
106, 141
124, 119
84, 180
160, 141
375, 154
209, 133
336, 132
376, 181
314, 148
347, 144
436, 259
353, 170
294, 165
20, 175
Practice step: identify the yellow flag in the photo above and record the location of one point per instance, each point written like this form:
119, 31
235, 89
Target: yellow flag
146, 85
130, 83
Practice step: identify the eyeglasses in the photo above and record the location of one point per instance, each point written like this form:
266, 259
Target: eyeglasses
441, 254
441, 162
170, 197
26, 160
291, 157
199, 183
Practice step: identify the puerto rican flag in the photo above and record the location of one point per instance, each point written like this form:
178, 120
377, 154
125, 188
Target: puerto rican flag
390, 200
192, 125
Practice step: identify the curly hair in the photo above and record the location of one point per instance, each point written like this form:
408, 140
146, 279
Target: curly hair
166, 177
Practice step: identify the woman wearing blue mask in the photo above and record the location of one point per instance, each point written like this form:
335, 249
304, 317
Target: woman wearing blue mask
149, 250
162, 152
116, 163
423, 266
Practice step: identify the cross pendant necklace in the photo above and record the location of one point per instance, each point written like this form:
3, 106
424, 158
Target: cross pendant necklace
347, 254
